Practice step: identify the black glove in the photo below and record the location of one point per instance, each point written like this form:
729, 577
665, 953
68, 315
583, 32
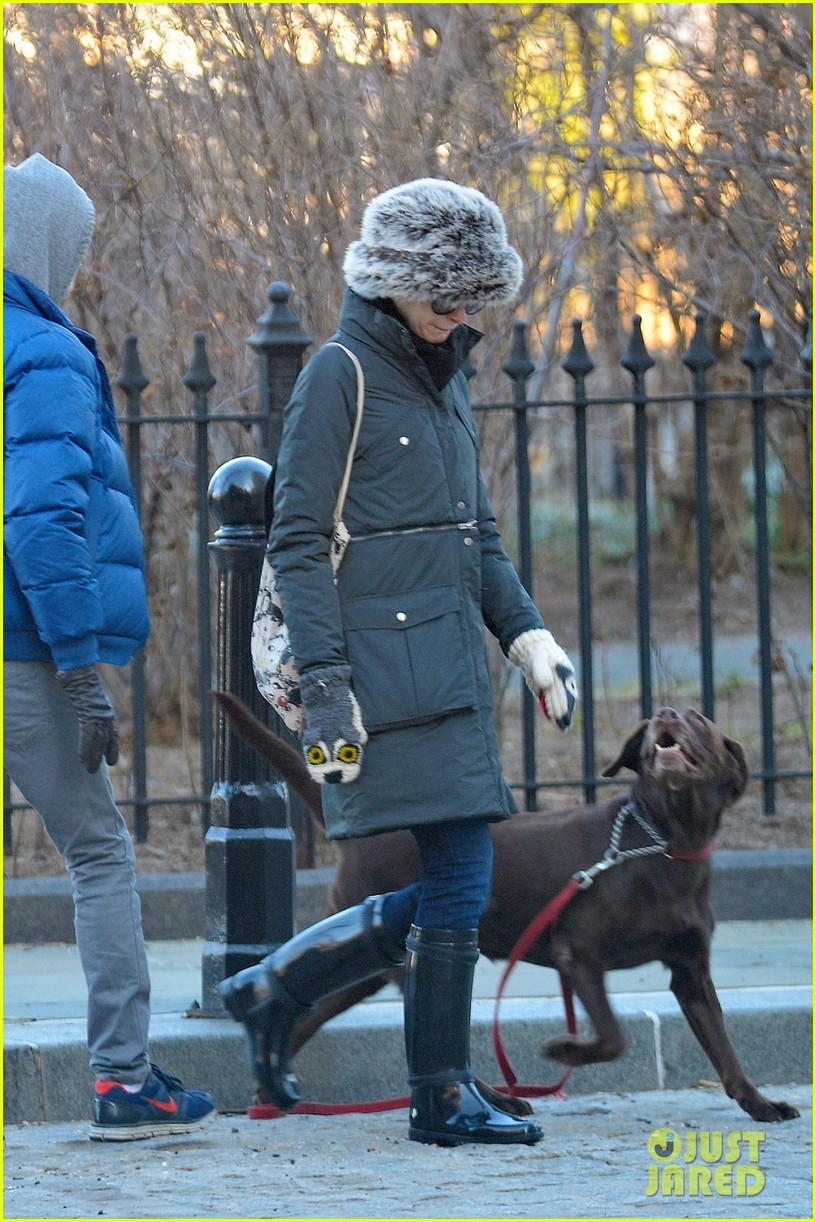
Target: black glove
98, 730
334, 737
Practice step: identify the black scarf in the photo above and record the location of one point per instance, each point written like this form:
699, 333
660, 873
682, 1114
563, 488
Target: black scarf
441, 360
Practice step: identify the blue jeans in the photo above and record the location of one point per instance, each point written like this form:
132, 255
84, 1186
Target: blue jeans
457, 862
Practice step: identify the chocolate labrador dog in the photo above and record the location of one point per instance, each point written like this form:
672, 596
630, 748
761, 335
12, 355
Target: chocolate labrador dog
643, 862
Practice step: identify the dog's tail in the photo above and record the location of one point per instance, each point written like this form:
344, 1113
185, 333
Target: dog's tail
283, 758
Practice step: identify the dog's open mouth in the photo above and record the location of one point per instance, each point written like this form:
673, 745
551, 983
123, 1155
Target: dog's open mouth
669, 754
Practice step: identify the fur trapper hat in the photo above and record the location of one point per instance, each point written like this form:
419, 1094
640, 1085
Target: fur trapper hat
433, 240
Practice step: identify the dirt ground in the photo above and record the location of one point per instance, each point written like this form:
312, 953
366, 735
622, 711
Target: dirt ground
175, 839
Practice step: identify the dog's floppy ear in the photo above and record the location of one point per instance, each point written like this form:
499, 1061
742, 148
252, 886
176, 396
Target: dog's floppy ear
740, 767
630, 753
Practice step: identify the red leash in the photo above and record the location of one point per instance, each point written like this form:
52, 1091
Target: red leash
548, 916
268, 1111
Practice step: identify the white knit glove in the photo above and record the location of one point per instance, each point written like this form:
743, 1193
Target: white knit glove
548, 672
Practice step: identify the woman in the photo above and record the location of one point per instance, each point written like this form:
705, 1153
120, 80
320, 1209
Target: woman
394, 676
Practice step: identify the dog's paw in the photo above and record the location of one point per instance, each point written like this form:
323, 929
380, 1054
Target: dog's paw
568, 1050
511, 1104
768, 1111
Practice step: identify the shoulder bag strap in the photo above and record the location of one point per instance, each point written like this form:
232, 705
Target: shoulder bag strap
341, 496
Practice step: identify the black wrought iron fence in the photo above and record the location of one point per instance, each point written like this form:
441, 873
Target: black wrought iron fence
280, 344
699, 359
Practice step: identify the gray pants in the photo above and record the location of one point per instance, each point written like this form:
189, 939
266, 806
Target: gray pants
81, 817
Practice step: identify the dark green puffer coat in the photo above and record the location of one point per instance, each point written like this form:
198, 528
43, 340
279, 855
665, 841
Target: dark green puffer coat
423, 575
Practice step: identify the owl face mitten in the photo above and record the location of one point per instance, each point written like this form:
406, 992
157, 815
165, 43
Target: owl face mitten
334, 737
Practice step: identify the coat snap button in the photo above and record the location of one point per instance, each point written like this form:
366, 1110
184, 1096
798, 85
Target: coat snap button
405, 441
468, 542
401, 616
460, 504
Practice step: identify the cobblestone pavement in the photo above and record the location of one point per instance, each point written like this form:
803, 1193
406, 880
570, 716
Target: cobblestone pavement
644, 1155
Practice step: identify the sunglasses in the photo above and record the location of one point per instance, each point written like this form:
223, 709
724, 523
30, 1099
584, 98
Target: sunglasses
447, 305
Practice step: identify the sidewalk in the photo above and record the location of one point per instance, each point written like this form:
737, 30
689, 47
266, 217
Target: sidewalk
42, 982
597, 1160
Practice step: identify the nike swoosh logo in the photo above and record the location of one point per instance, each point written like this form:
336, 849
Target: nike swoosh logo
169, 1106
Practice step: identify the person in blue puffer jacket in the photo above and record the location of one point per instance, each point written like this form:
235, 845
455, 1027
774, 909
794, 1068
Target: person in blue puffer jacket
74, 596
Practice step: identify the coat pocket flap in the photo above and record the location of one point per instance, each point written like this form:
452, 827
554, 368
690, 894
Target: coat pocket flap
401, 611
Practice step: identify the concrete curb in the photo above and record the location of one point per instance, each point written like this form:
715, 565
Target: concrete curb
748, 885
359, 1056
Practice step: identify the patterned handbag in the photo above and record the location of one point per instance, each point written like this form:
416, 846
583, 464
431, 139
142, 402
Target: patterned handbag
273, 662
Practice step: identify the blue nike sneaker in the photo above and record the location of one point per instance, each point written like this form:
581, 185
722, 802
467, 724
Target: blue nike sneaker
161, 1107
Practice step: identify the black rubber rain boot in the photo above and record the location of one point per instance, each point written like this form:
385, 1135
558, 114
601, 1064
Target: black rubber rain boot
271, 996
447, 1107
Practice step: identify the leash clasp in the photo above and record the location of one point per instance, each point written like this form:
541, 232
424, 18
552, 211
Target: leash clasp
587, 877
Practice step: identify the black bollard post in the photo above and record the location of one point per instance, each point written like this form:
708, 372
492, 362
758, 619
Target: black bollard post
249, 847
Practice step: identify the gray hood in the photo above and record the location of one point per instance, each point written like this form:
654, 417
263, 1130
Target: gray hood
48, 222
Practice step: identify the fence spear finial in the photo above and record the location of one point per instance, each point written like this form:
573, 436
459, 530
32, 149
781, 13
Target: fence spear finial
636, 358
132, 378
578, 362
199, 377
518, 365
756, 354
699, 356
